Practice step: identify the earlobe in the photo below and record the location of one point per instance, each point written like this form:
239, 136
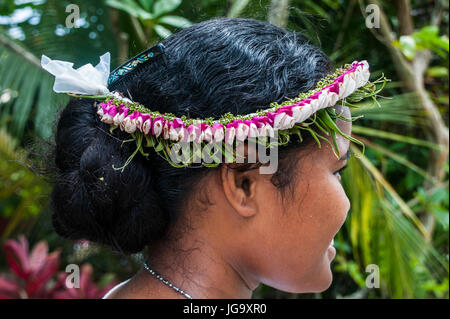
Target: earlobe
240, 190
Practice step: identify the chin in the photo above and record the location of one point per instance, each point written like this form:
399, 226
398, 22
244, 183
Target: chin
324, 284
320, 281
312, 283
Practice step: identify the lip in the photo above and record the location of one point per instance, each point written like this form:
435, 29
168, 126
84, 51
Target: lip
331, 251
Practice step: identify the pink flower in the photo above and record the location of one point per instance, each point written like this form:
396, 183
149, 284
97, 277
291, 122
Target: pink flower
285, 109
35, 269
87, 290
194, 133
112, 110
177, 123
108, 114
333, 97
123, 109
33, 274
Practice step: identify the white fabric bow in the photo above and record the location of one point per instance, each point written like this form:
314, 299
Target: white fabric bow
85, 80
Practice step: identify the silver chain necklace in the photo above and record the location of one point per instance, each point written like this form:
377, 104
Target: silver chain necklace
166, 281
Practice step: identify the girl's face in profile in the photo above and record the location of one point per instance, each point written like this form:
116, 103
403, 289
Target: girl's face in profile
293, 240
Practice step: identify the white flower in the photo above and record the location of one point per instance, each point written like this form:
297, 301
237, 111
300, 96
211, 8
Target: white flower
283, 121
366, 76
218, 134
173, 134
208, 135
182, 134
119, 97
347, 86
146, 126
157, 127
253, 132
129, 125
314, 105
230, 134
270, 131
242, 131
333, 97
362, 74
100, 111
277, 120
261, 130
324, 101
165, 132
118, 118
107, 118
139, 122
301, 113
266, 130
194, 133
359, 77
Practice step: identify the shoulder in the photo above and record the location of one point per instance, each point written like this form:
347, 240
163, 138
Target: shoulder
111, 293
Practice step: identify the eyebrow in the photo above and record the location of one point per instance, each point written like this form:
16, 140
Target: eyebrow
345, 156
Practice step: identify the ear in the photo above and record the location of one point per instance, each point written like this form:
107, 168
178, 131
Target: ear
240, 189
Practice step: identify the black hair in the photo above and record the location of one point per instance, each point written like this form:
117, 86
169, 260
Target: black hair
221, 65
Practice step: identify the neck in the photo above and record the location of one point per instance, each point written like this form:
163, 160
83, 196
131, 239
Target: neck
198, 269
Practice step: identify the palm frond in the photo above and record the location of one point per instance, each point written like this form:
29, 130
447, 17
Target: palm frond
26, 93
382, 233
402, 109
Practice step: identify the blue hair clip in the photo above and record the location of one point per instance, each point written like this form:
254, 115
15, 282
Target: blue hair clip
136, 62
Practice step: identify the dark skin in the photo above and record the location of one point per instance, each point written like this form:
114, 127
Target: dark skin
247, 235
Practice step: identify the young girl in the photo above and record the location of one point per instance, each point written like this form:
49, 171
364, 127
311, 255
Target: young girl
210, 232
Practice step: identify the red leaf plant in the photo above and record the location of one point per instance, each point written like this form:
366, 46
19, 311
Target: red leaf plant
35, 275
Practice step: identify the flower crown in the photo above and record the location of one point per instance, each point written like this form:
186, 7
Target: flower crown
162, 132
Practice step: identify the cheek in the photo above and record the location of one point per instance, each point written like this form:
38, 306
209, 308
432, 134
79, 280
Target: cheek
291, 239
305, 230
328, 206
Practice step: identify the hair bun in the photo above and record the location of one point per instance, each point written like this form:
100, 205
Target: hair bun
90, 199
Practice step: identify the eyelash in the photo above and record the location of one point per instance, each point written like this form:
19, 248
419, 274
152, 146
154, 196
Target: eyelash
340, 170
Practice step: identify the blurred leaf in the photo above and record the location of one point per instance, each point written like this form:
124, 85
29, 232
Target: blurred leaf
425, 38
408, 46
395, 137
437, 71
175, 21
162, 31
146, 4
131, 7
237, 7
165, 6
